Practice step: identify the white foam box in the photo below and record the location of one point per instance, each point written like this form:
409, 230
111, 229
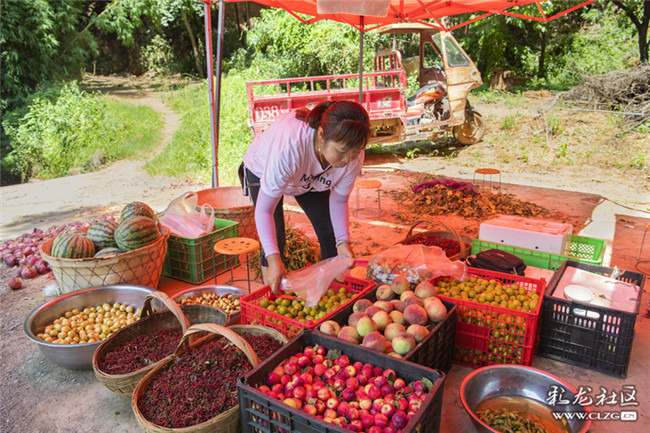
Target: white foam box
537, 235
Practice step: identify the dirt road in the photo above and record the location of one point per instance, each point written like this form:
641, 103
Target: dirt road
39, 396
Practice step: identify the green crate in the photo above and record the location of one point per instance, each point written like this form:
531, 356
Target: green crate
193, 260
581, 249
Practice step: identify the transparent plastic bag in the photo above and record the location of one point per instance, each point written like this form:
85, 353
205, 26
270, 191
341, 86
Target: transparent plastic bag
183, 219
416, 262
312, 282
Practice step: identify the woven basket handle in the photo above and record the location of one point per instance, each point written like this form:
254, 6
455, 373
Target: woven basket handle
232, 336
451, 230
147, 309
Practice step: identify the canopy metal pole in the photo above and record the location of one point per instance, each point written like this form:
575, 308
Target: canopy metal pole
215, 169
213, 113
361, 61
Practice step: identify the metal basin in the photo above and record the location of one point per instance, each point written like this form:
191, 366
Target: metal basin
213, 290
79, 356
515, 380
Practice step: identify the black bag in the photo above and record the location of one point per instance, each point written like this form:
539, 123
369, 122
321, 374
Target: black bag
497, 260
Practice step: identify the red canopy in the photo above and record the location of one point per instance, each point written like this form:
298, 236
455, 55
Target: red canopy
380, 12
364, 15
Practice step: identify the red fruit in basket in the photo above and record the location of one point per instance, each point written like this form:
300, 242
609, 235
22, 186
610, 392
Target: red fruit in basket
319, 369
416, 315
336, 368
272, 379
388, 410
372, 391
310, 409
348, 394
339, 421
329, 413
402, 404
320, 350
425, 290
284, 380
339, 384
324, 393
377, 404
342, 360
293, 402
317, 359
387, 390
278, 388
381, 421
384, 293
290, 368
367, 421
399, 384
352, 382
377, 371
355, 426
418, 387
367, 370
299, 392
309, 352
279, 370
362, 379
399, 420
365, 403
320, 406
349, 371
307, 378
304, 361
352, 414
342, 408
332, 403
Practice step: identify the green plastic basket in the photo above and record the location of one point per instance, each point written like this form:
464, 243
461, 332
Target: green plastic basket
191, 260
581, 249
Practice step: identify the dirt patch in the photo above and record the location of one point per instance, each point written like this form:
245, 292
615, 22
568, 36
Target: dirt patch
39, 396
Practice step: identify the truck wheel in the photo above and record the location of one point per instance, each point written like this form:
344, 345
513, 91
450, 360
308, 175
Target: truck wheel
470, 132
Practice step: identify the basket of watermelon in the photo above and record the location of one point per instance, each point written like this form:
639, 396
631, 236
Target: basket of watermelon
455, 245
108, 253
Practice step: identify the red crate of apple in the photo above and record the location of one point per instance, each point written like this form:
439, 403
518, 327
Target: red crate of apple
338, 388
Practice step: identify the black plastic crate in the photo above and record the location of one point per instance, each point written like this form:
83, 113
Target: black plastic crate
260, 413
597, 338
436, 350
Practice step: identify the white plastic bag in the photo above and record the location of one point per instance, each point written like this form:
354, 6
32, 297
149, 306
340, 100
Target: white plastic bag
415, 262
183, 218
312, 282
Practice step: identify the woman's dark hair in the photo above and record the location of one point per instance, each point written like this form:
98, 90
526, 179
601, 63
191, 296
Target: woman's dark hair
342, 121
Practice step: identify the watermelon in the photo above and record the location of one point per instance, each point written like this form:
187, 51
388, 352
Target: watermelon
136, 232
137, 208
61, 236
101, 233
72, 246
105, 252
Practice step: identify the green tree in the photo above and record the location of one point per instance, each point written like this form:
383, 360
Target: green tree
638, 11
40, 42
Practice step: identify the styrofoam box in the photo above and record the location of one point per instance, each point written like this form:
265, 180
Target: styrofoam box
532, 234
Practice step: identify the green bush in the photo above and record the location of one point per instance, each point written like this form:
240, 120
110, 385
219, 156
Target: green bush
74, 129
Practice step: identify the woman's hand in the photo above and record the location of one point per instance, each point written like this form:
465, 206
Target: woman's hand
275, 272
344, 249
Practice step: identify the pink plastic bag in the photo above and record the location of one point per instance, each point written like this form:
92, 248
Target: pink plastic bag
312, 282
183, 219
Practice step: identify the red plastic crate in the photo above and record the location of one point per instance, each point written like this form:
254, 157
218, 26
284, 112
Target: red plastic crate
253, 314
490, 334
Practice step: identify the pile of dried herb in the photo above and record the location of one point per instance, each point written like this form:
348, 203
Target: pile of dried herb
140, 351
441, 200
201, 383
299, 252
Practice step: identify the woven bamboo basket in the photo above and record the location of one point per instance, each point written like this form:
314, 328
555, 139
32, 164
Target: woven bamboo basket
225, 422
231, 205
464, 242
175, 316
142, 266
